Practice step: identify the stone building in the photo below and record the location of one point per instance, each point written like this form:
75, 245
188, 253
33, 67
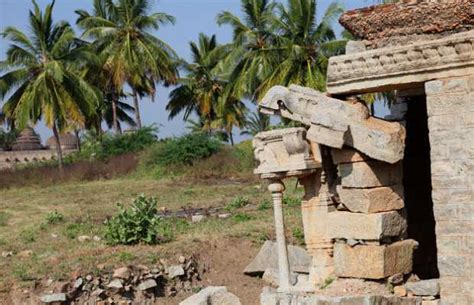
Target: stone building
28, 148
383, 198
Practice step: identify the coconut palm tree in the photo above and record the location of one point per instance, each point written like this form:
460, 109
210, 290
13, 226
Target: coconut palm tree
121, 30
304, 45
255, 123
252, 47
43, 78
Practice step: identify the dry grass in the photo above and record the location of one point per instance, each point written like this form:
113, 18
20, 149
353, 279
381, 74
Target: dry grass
85, 205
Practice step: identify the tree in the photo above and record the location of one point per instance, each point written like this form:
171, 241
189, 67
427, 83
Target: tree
304, 45
255, 123
44, 78
121, 30
252, 46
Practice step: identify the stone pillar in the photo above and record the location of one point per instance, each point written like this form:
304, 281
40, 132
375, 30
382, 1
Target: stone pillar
277, 188
450, 104
315, 206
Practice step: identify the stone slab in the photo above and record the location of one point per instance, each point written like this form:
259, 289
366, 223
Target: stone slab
358, 226
203, 296
267, 258
372, 200
373, 262
424, 287
369, 174
347, 155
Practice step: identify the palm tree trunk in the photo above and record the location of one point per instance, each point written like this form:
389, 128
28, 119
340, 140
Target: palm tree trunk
59, 150
114, 114
231, 138
76, 132
136, 105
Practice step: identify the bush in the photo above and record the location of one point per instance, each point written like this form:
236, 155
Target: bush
291, 201
237, 203
138, 224
54, 217
182, 151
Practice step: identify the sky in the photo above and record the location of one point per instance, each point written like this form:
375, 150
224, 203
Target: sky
192, 18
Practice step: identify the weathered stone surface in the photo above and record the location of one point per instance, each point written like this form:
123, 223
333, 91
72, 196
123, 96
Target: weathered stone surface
203, 296
175, 271
396, 67
271, 276
267, 259
373, 262
334, 122
148, 284
369, 174
121, 273
424, 287
115, 284
372, 200
224, 298
347, 155
399, 291
53, 298
376, 226
283, 150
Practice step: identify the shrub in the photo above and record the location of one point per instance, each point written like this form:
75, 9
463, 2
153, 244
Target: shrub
138, 224
291, 201
298, 234
54, 217
265, 204
237, 203
242, 217
182, 151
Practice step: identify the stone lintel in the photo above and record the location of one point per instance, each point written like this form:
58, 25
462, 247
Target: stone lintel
372, 200
369, 174
374, 262
401, 67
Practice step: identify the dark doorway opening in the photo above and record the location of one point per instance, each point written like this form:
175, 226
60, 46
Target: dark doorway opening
417, 188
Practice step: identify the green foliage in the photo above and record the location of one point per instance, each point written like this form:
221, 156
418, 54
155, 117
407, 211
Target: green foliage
242, 217
28, 235
298, 234
125, 257
4, 216
54, 217
291, 201
138, 224
72, 231
264, 205
182, 151
243, 152
328, 281
7, 138
237, 203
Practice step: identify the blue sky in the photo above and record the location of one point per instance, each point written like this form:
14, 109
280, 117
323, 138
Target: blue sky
192, 17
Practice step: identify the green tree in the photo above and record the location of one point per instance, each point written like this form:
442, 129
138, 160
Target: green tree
255, 123
43, 78
121, 30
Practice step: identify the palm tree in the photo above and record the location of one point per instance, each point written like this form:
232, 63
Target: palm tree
256, 123
121, 31
252, 47
44, 78
304, 45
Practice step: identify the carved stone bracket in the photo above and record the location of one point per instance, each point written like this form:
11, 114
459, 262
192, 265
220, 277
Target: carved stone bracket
385, 68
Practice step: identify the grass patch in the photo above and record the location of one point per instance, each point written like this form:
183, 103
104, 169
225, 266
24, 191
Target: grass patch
4, 216
54, 217
242, 217
237, 203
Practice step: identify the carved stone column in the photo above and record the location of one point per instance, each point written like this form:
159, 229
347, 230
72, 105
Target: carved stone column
277, 187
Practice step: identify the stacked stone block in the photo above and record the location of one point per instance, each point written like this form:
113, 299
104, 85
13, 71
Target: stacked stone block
371, 217
450, 105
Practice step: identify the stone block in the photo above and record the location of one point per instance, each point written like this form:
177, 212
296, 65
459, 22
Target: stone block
372, 200
347, 155
369, 174
423, 288
375, 226
374, 262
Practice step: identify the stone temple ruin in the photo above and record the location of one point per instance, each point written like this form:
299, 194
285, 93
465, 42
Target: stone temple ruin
383, 197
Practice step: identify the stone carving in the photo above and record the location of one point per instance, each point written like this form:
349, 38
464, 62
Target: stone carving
336, 123
391, 67
284, 150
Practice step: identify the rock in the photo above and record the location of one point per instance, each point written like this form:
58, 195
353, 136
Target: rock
55, 236
174, 271
49, 282
424, 287
182, 259
399, 291
115, 284
358, 226
374, 262
224, 216
203, 296
197, 218
396, 279
98, 292
83, 238
224, 298
268, 296
54, 297
122, 273
96, 238
271, 276
89, 277
347, 155
148, 284
372, 200
369, 174
430, 302
78, 283
267, 258
7, 254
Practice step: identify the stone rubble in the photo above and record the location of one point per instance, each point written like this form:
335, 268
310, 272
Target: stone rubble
212, 295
